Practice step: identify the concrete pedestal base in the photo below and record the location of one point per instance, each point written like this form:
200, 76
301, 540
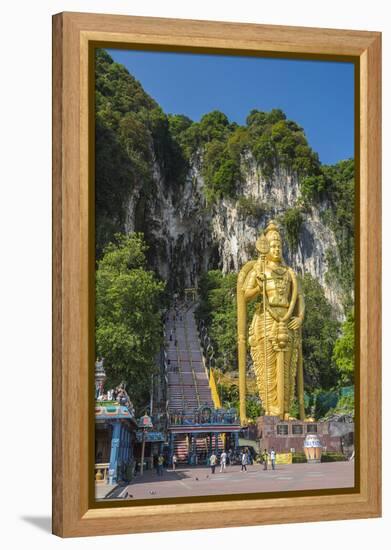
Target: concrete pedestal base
288, 435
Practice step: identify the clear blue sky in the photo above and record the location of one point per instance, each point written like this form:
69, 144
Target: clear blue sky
318, 95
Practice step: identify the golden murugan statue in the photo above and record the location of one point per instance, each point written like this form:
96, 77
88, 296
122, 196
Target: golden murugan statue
274, 335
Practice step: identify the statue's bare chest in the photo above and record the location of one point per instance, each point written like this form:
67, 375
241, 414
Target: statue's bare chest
278, 286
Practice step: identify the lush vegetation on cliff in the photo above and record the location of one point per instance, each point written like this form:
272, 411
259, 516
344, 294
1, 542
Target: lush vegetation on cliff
272, 140
132, 134
340, 217
131, 129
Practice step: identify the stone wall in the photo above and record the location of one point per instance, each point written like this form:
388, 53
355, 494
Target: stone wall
267, 434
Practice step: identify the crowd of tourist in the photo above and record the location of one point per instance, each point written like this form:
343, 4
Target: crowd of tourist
244, 457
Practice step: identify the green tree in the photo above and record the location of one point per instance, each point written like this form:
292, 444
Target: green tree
345, 405
221, 171
229, 394
178, 124
230, 399
256, 120
313, 187
238, 142
265, 154
320, 331
128, 324
340, 218
214, 125
254, 407
292, 220
276, 141
218, 309
343, 354
275, 116
324, 401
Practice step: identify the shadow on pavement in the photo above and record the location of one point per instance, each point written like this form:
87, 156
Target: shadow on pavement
151, 477
168, 475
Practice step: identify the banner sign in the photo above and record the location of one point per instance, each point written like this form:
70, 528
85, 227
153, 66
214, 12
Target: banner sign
150, 436
284, 458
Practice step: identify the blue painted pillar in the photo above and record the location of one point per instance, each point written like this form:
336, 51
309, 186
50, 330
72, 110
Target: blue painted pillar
216, 442
126, 445
121, 444
129, 446
127, 455
131, 439
236, 439
130, 456
192, 454
115, 442
171, 447
121, 453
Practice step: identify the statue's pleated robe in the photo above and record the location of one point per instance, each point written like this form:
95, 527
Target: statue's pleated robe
267, 378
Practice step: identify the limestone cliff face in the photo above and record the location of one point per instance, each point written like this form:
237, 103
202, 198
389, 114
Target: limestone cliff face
187, 238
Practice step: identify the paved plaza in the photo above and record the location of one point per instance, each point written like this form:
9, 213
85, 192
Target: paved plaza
193, 481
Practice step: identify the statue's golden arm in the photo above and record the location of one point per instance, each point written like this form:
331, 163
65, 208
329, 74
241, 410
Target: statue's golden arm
297, 316
253, 289
300, 306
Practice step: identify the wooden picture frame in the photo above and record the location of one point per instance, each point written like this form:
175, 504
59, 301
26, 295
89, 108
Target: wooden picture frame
73, 269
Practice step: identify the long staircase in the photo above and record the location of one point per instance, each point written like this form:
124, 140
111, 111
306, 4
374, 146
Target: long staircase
188, 384
181, 448
203, 446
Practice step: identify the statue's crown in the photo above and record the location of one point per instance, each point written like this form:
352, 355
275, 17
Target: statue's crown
272, 232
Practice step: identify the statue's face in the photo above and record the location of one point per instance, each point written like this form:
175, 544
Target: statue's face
275, 251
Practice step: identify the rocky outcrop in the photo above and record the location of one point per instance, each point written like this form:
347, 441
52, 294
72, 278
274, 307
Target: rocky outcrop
187, 237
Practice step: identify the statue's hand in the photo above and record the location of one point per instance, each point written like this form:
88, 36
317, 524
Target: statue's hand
260, 277
295, 323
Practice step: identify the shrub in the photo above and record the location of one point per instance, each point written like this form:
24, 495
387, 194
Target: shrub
250, 206
298, 458
313, 186
291, 221
333, 457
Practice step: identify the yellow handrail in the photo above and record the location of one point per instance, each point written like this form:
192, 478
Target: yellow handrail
180, 373
191, 362
213, 389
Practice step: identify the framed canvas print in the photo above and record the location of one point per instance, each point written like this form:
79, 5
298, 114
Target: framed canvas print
216, 230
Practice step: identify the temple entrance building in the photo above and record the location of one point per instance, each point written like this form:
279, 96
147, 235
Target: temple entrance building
115, 432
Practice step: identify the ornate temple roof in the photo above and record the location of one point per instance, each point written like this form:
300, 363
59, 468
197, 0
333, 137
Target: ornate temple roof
113, 412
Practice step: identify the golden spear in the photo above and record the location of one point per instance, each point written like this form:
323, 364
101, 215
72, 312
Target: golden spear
263, 248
